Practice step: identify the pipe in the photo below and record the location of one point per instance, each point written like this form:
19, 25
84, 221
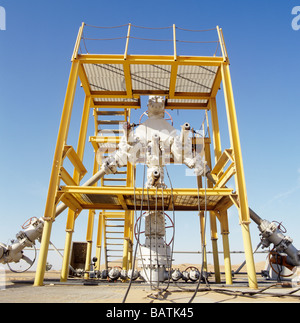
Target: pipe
94, 179
256, 218
185, 129
293, 257
271, 234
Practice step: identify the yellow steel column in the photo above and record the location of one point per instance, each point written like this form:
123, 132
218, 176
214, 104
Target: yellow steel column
202, 229
66, 257
71, 214
125, 253
131, 236
126, 240
214, 240
225, 233
54, 178
104, 240
224, 216
99, 240
41, 266
240, 176
215, 128
213, 223
90, 226
89, 240
129, 216
203, 239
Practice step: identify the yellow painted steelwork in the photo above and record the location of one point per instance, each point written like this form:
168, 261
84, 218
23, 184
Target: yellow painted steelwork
104, 102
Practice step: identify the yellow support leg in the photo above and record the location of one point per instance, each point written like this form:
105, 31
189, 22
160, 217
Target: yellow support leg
227, 261
223, 214
249, 256
213, 222
90, 227
89, 240
99, 241
66, 257
226, 249
239, 177
88, 259
54, 178
126, 239
41, 266
203, 240
68, 243
125, 254
76, 176
214, 241
131, 233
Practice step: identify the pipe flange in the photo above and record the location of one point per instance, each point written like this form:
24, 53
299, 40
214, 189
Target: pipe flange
284, 244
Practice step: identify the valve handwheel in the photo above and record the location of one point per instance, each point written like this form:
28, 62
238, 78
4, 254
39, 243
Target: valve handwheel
190, 268
28, 222
280, 227
169, 117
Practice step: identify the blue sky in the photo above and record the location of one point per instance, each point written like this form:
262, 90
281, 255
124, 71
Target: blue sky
35, 62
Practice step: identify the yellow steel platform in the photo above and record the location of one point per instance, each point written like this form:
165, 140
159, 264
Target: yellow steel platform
126, 198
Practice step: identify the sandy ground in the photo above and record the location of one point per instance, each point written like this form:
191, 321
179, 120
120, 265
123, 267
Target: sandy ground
19, 289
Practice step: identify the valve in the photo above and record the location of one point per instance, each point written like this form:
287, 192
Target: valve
176, 275
192, 273
133, 274
104, 274
114, 273
154, 177
123, 274
185, 276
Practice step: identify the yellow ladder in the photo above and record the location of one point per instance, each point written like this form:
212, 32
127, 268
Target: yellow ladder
117, 226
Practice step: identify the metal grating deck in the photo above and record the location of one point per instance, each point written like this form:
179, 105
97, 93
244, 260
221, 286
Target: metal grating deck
114, 198
184, 84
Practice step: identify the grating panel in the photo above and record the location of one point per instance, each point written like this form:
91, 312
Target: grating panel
145, 78
195, 78
123, 198
105, 77
87, 200
150, 77
153, 203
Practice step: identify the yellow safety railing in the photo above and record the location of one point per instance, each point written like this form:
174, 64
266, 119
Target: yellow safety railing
83, 38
